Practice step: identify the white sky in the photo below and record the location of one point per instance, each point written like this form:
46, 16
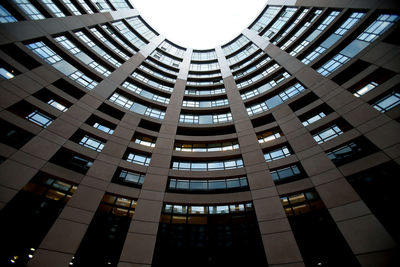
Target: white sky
199, 24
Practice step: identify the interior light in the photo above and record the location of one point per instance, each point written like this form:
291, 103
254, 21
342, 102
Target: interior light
30, 256
12, 261
32, 249
71, 263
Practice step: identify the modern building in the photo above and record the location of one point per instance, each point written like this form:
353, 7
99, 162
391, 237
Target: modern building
121, 148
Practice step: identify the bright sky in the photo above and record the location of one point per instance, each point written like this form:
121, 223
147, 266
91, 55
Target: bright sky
199, 24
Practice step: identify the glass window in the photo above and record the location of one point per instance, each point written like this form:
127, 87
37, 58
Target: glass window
29, 9
370, 34
5, 16
39, 118
278, 153
327, 134
53, 8
387, 102
92, 143
138, 159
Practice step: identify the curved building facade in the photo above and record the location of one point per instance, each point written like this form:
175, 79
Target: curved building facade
121, 148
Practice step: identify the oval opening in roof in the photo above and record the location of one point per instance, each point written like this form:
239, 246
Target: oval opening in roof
199, 24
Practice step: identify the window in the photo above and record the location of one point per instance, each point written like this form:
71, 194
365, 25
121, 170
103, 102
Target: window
120, 4
101, 124
313, 115
73, 49
144, 140
369, 35
315, 230
279, 37
136, 158
268, 85
101, 5
13, 136
128, 178
387, 102
128, 34
353, 19
327, 21
280, 22
39, 118
378, 187
356, 149
107, 57
5, 74
365, 89
71, 160
308, 20
274, 101
29, 9
327, 134
208, 166
269, 135
206, 147
172, 49
278, 153
5, 16
147, 94
129, 104
85, 6
51, 57
235, 45
139, 26
287, 174
193, 91
151, 82
108, 43
53, 8
205, 119
104, 239
274, 81
31, 214
112, 33
207, 186
165, 58
204, 55
302, 202
92, 143
72, 7
267, 16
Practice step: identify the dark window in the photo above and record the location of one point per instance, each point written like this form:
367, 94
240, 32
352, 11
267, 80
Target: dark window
72, 161
194, 131
208, 186
226, 235
356, 149
319, 239
110, 111
378, 188
149, 125
288, 174
351, 71
53, 100
262, 120
68, 88
20, 56
303, 101
27, 218
105, 237
13, 136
